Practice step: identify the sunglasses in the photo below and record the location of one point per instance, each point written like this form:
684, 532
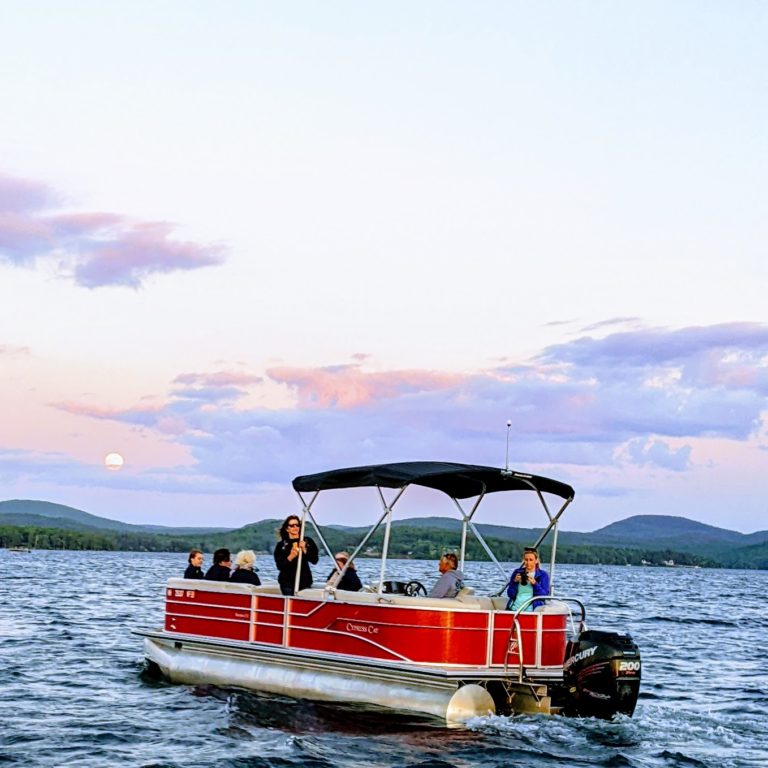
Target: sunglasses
293, 525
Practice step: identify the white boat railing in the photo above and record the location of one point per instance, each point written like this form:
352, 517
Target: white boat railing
515, 630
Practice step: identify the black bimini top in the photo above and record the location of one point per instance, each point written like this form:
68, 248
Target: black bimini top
459, 481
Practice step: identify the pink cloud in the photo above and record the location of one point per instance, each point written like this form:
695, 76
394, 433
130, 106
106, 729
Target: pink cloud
23, 194
347, 386
95, 248
142, 250
84, 409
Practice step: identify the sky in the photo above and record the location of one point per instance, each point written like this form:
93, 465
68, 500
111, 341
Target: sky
247, 241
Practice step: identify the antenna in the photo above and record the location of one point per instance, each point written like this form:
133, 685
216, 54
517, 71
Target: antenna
506, 462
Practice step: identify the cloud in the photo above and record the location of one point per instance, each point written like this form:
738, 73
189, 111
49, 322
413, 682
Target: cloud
639, 399
349, 386
94, 248
219, 378
609, 323
658, 346
644, 452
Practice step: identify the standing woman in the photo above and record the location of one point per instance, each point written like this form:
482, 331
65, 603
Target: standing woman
287, 552
527, 581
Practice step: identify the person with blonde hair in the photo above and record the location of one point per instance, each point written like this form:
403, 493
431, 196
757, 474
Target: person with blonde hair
350, 581
528, 581
244, 572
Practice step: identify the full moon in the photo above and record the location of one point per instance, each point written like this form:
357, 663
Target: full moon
113, 461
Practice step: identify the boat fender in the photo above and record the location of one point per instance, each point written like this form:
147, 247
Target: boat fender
469, 701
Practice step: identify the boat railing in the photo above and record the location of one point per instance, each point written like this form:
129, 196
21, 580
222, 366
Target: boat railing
515, 630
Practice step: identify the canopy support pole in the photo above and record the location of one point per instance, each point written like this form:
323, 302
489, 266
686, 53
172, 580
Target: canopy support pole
305, 510
387, 529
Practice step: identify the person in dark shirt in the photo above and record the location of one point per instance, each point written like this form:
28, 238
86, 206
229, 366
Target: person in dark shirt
195, 567
244, 572
350, 581
289, 551
222, 563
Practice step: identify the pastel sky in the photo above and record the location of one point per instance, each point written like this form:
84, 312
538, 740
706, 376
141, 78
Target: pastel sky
245, 241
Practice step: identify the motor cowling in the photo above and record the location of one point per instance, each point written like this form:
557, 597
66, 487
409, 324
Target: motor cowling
601, 674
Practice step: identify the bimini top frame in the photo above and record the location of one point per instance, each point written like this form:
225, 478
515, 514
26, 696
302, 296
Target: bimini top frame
458, 481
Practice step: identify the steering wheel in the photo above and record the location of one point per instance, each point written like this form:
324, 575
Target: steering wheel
414, 588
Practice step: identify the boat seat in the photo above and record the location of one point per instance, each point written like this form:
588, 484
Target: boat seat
467, 602
270, 587
553, 606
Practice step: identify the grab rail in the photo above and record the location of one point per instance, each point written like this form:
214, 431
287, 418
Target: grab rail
516, 630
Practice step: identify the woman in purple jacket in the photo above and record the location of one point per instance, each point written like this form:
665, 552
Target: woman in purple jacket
527, 581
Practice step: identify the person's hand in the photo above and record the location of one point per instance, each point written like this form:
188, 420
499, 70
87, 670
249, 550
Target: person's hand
517, 578
531, 580
294, 551
303, 546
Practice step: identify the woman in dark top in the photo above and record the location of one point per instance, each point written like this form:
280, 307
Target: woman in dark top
350, 581
195, 567
222, 563
244, 570
287, 558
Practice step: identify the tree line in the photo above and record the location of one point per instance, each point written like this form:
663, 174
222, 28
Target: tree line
405, 542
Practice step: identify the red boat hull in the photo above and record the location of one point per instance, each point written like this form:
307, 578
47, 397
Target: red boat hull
444, 633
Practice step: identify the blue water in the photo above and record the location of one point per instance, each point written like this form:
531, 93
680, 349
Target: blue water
73, 690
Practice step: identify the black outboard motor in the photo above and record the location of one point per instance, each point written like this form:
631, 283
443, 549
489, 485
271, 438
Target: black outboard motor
601, 674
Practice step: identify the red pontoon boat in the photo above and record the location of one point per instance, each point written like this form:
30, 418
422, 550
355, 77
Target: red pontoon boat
393, 646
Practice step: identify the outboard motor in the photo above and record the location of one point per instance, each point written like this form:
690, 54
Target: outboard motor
601, 674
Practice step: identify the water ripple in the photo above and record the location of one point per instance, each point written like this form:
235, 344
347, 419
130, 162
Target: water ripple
76, 691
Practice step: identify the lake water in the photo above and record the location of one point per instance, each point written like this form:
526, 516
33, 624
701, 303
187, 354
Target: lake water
73, 691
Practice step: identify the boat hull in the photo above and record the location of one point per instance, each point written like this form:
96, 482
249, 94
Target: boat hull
452, 658
316, 677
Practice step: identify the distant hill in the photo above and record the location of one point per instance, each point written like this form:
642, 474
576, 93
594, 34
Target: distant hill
47, 514
638, 537
650, 529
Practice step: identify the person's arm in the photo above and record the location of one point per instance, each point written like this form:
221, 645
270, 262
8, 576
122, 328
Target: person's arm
281, 555
311, 553
541, 587
355, 585
442, 586
512, 586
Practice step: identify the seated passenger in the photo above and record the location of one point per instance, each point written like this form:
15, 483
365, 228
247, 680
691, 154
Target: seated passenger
350, 581
527, 581
244, 572
450, 582
222, 562
195, 567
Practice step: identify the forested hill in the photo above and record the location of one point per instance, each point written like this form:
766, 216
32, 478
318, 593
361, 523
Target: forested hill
46, 513
650, 538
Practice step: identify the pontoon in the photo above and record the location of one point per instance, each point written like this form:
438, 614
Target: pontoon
391, 645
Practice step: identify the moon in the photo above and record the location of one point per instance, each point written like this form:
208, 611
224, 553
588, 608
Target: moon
113, 461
